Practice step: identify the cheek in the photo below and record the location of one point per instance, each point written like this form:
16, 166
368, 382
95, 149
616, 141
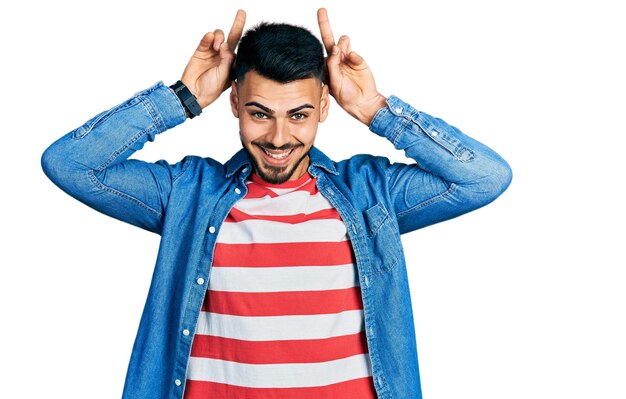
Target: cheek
306, 132
250, 131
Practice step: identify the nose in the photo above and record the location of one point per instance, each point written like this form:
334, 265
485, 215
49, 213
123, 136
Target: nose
279, 133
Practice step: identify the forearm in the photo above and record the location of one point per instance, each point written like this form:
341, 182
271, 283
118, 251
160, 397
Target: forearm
438, 147
114, 135
452, 174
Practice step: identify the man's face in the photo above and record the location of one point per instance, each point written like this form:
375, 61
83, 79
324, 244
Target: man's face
278, 123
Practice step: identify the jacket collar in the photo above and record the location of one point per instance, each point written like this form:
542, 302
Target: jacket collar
240, 160
320, 160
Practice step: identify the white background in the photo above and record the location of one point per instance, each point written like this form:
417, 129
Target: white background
522, 299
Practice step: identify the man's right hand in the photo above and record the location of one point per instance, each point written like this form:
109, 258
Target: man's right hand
207, 74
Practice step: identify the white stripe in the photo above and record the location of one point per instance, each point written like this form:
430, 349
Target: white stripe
291, 204
269, 328
283, 375
254, 231
274, 279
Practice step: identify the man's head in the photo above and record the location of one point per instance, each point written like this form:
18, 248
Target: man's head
279, 98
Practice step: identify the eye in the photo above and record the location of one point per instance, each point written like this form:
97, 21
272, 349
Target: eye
298, 116
259, 115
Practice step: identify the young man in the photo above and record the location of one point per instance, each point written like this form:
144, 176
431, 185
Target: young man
280, 273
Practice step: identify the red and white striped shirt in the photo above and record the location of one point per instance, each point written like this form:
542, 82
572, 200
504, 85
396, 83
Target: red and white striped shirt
283, 316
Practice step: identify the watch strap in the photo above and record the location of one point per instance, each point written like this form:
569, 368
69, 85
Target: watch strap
186, 97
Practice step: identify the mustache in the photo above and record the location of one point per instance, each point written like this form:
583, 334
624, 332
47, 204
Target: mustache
270, 146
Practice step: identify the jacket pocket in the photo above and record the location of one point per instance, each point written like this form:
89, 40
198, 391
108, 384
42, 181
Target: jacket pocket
383, 239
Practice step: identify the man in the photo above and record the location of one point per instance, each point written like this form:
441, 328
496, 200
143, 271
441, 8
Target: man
280, 273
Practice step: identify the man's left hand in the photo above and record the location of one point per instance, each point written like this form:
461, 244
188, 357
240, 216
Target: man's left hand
350, 79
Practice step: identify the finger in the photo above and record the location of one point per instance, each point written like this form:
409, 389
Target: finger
237, 29
333, 61
355, 60
207, 42
325, 31
226, 60
344, 45
225, 53
218, 40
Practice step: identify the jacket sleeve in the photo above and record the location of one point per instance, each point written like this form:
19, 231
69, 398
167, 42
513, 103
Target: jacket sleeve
91, 162
453, 174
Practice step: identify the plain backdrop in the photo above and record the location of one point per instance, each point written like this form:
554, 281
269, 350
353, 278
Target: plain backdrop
523, 298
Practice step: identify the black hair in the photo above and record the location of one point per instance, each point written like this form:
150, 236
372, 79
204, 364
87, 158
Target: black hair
280, 52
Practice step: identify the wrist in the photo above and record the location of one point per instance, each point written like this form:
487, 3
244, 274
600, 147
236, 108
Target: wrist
187, 98
367, 110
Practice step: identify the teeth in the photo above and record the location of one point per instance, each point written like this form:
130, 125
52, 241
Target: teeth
281, 155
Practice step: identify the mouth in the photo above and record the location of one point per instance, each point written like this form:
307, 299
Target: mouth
277, 157
278, 154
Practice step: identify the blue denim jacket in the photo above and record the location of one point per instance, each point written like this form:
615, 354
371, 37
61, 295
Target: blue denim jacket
187, 202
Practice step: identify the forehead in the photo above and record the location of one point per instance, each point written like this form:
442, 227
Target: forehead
278, 95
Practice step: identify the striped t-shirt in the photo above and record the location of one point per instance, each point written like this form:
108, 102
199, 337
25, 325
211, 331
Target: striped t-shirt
283, 316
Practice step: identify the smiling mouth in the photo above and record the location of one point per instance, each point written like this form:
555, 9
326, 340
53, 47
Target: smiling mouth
278, 154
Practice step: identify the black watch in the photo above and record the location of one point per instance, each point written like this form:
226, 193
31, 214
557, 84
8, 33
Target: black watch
187, 98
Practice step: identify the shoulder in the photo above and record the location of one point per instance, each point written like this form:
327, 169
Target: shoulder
363, 174
363, 164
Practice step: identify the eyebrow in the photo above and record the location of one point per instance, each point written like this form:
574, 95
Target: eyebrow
272, 112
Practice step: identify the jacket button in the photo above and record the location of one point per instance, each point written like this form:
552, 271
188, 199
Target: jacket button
200, 281
185, 332
398, 110
212, 229
237, 190
177, 382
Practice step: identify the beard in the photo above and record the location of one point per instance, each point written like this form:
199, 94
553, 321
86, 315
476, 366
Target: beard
274, 174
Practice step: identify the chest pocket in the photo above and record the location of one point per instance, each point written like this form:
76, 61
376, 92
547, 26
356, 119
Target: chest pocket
383, 238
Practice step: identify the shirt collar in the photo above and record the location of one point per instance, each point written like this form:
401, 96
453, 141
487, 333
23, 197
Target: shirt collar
240, 160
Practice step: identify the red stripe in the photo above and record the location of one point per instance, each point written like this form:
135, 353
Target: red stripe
257, 191
283, 303
279, 351
360, 388
283, 254
310, 186
298, 183
236, 215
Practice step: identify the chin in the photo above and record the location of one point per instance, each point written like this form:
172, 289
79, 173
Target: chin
276, 174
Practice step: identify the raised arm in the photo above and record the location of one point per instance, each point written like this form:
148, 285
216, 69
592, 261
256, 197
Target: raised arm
91, 162
452, 174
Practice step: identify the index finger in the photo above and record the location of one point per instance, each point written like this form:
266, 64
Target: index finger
327, 34
237, 29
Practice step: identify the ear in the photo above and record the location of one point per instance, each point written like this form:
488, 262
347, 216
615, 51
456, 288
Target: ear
324, 103
234, 99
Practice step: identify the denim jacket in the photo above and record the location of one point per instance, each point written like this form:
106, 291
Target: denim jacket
187, 202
